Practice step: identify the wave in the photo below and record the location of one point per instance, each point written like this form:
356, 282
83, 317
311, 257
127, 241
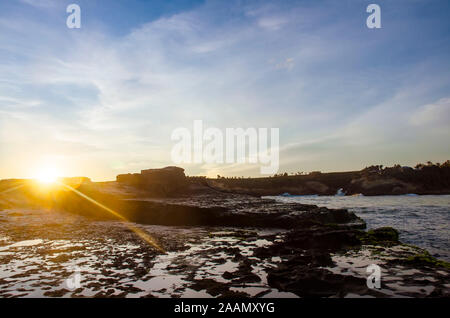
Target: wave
286, 194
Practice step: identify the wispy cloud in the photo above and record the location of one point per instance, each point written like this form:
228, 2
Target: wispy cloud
40, 3
435, 115
314, 71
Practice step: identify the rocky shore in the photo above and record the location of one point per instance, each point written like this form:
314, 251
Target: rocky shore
371, 181
214, 244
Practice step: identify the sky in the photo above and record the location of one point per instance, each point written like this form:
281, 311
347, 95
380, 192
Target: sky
104, 99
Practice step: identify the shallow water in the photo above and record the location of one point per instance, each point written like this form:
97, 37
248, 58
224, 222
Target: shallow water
53, 254
422, 220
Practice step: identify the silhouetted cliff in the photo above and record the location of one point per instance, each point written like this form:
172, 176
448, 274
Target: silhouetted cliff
164, 182
374, 180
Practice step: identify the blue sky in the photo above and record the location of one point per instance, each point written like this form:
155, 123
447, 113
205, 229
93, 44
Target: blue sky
104, 99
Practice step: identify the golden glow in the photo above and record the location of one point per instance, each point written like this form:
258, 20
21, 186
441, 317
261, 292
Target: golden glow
47, 175
141, 233
11, 189
50, 177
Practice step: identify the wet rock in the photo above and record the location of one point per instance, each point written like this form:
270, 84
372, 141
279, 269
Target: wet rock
324, 238
56, 293
381, 236
228, 275
305, 251
211, 286
235, 211
243, 275
423, 260
205, 207
305, 281
233, 294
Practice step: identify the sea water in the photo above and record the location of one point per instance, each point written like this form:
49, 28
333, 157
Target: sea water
423, 220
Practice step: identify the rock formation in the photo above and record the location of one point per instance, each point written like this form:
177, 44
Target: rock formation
160, 182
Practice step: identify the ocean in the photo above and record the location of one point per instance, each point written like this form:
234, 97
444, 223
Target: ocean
423, 220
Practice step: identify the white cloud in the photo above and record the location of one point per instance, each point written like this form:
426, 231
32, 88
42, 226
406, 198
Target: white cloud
41, 3
433, 115
287, 64
133, 90
272, 23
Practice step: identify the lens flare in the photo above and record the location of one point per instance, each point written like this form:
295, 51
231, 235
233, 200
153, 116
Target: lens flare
141, 233
47, 175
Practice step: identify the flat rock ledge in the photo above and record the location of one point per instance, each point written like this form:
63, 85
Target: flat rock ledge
321, 252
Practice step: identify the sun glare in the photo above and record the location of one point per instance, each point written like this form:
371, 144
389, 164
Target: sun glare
47, 176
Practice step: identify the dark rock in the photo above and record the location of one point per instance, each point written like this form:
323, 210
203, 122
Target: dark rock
233, 294
207, 207
56, 293
422, 260
211, 286
384, 234
228, 275
159, 182
305, 281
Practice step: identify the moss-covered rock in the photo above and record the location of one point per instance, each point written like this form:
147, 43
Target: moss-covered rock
425, 259
384, 236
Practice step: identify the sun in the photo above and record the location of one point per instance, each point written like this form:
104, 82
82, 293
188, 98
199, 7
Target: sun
47, 175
